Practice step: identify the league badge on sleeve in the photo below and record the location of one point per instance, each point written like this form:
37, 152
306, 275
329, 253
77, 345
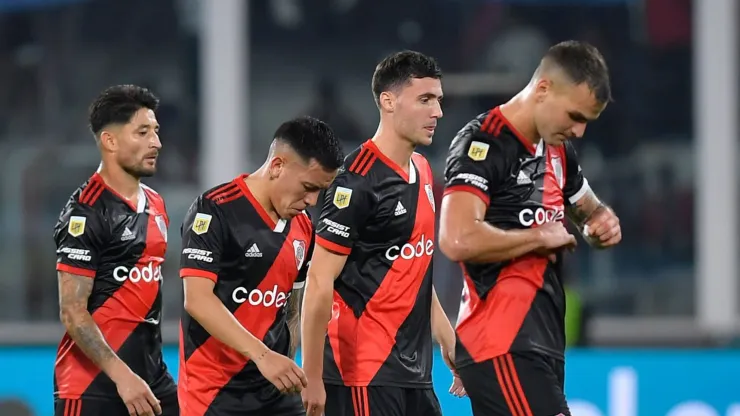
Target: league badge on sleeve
478, 151
342, 197
201, 223
76, 226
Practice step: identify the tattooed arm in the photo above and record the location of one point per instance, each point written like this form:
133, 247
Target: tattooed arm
293, 310
74, 291
597, 222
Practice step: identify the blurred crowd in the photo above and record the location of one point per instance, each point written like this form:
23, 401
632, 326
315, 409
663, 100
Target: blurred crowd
305, 59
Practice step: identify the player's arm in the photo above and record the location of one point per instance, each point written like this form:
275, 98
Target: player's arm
325, 268
293, 309
596, 221
345, 209
203, 238
442, 330
80, 236
476, 165
74, 291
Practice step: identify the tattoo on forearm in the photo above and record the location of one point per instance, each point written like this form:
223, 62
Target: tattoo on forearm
74, 292
294, 320
580, 212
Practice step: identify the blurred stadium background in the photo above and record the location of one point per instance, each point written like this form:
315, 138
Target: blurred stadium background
229, 71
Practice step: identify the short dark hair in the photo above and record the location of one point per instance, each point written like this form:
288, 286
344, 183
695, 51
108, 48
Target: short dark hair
398, 69
311, 138
582, 62
117, 104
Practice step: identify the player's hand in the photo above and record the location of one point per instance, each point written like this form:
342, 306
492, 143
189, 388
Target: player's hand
457, 389
314, 398
603, 229
137, 396
448, 355
554, 236
282, 372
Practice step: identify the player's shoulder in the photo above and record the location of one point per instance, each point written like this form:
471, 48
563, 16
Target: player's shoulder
87, 199
84, 205
355, 169
487, 133
220, 196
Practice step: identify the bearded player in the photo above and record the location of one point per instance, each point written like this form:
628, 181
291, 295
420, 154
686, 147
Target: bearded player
111, 239
512, 176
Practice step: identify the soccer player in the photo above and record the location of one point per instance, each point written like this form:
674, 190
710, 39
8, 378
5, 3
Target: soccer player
370, 280
111, 239
512, 176
246, 249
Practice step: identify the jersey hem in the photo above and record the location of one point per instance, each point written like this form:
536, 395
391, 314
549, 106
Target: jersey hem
540, 351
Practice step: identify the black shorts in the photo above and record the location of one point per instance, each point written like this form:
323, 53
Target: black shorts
380, 401
516, 384
103, 407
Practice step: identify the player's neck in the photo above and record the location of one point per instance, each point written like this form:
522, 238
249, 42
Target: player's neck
394, 147
518, 113
258, 185
120, 181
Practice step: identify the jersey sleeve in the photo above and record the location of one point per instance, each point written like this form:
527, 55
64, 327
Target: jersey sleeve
476, 163
300, 281
347, 205
576, 184
80, 235
203, 236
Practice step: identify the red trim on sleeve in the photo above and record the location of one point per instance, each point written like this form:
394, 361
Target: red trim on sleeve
189, 272
80, 271
470, 189
323, 242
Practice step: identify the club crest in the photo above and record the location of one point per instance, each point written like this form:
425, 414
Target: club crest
557, 169
430, 196
162, 225
299, 246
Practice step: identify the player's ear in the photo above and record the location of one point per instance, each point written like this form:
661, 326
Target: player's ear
276, 166
387, 101
108, 141
541, 88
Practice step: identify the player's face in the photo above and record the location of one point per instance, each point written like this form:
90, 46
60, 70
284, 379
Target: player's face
564, 110
298, 184
138, 144
417, 107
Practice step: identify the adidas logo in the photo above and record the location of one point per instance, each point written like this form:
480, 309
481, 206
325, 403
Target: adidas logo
253, 251
400, 210
523, 179
127, 235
